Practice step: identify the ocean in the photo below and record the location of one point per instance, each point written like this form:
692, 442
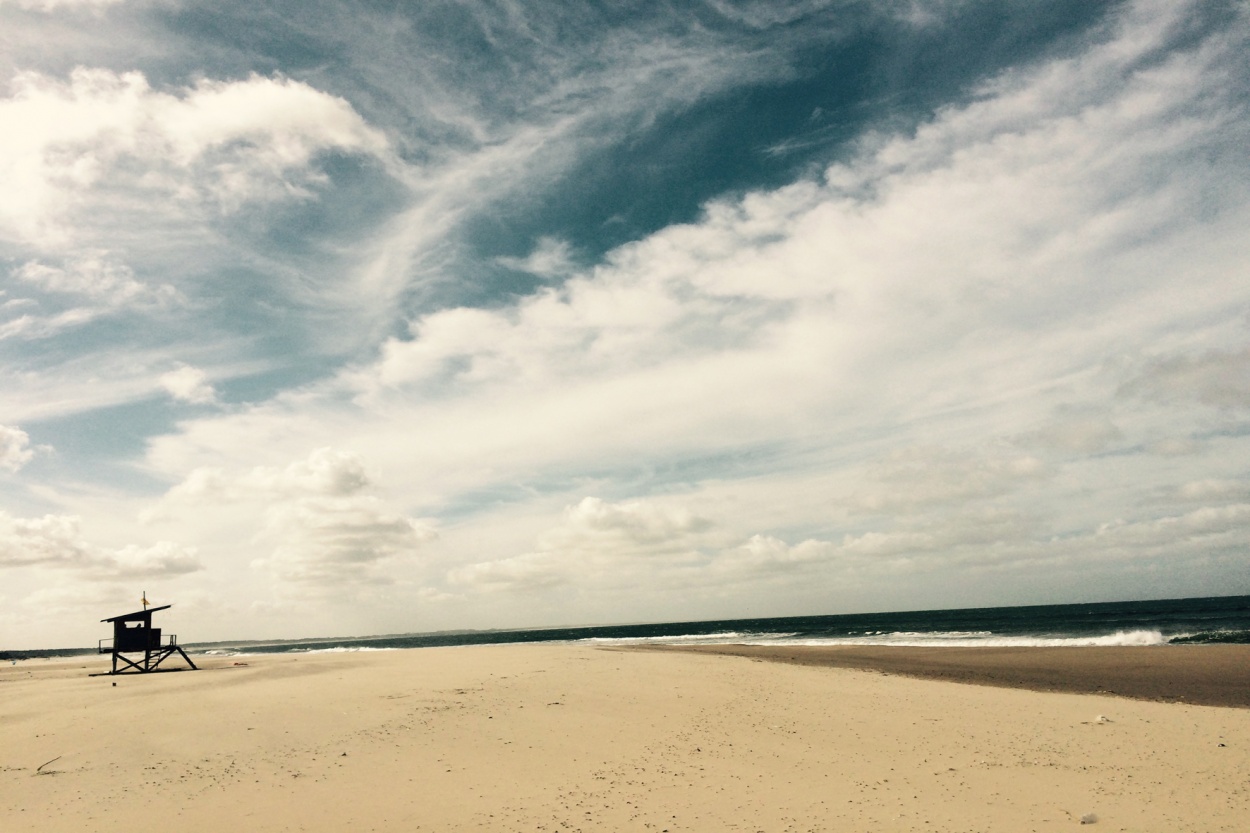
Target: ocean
1159, 622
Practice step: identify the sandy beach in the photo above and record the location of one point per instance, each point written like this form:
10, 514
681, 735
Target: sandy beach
567, 738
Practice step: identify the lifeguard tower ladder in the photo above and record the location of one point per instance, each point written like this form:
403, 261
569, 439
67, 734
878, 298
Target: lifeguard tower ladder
133, 634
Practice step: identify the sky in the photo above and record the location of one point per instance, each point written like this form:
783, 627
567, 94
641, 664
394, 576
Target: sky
344, 318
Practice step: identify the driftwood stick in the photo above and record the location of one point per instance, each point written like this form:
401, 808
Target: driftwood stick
41, 766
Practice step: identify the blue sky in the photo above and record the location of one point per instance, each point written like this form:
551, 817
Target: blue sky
349, 318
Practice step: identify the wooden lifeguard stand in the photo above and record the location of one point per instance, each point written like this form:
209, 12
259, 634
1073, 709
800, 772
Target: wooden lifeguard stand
133, 634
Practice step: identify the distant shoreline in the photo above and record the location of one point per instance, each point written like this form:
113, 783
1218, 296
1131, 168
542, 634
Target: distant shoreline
1205, 675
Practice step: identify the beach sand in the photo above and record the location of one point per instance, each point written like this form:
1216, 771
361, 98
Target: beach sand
568, 738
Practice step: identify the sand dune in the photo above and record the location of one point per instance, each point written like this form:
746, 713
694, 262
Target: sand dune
567, 738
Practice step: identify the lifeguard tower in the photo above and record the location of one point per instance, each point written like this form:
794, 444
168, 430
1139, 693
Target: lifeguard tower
133, 634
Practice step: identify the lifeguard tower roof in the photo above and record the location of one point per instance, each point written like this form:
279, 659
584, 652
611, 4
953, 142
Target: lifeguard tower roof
137, 616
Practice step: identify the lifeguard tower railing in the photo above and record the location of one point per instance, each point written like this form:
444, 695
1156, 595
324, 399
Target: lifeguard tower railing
107, 644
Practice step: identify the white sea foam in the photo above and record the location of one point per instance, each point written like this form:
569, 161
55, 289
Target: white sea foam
981, 639
725, 638
339, 649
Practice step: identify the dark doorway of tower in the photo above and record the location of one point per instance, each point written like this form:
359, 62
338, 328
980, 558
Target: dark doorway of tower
138, 646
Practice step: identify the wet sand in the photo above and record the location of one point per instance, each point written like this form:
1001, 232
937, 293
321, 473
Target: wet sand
567, 738
1209, 675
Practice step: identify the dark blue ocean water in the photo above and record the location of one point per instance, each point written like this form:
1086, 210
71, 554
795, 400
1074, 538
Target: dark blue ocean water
1206, 620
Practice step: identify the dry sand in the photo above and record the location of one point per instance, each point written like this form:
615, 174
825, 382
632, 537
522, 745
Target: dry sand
566, 738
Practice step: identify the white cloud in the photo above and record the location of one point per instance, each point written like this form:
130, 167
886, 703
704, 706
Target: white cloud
188, 384
937, 292
161, 558
15, 448
29, 326
323, 531
551, 258
638, 525
921, 477
55, 5
1204, 523
326, 472
876, 365
56, 541
517, 574
96, 277
768, 554
598, 542
98, 284
225, 142
332, 543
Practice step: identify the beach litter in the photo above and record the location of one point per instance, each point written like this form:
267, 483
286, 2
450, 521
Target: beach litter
1089, 818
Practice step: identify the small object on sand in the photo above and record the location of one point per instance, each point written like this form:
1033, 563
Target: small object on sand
240, 663
1089, 818
1102, 719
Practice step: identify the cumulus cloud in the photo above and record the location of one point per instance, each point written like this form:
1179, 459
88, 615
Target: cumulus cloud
188, 384
325, 472
519, 573
330, 543
15, 448
56, 541
766, 553
225, 142
598, 541
325, 532
1204, 523
640, 525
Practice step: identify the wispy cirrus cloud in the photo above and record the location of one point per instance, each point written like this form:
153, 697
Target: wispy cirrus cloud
57, 5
